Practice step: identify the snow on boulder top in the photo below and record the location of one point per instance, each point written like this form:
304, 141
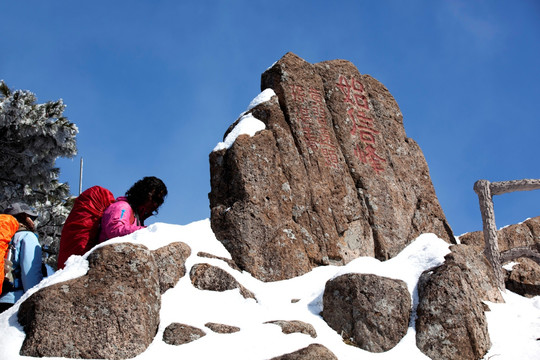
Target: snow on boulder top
248, 124
264, 96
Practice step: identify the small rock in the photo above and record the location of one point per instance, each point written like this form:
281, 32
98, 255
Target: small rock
208, 277
179, 334
295, 326
221, 328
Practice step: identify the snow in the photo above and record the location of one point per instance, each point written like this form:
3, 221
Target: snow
510, 265
264, 96
248, 124
513, 326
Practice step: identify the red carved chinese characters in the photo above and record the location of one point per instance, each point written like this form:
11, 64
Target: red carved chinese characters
362, 124
297, 93
311, 113
353, 91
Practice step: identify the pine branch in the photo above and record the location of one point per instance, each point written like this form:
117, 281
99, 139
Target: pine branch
21, 184
4, 89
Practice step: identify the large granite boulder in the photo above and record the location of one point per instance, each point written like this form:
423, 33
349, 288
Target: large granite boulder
368, 311
332, 177
312, 352
171, 264
476, 270
112, 312
523, 277
451, 323
525, 234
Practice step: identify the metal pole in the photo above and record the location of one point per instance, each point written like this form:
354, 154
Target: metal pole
80, 177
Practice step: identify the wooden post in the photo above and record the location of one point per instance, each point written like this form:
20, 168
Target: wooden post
485, 191
491, 249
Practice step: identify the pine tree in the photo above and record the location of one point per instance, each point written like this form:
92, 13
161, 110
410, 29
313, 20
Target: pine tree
32, 137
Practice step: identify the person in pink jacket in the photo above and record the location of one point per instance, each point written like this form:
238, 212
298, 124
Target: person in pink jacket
129, 212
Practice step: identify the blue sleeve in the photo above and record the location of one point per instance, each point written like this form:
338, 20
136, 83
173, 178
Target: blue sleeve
30, 261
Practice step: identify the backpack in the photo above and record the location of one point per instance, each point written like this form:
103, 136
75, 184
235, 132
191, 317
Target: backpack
8, 228
81, 229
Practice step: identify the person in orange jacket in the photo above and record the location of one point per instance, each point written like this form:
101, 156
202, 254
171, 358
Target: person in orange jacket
26, 256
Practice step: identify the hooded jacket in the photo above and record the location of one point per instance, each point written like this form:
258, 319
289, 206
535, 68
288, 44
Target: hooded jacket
118, 220
26, 265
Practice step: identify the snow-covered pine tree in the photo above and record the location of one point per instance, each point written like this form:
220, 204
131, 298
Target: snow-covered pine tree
32, 137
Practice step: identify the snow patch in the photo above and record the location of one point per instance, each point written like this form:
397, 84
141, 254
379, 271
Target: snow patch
248, 124
264, 96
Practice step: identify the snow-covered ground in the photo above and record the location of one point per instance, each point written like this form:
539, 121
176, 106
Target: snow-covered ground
513, 326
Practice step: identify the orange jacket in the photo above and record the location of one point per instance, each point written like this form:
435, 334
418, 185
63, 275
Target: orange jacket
8, 227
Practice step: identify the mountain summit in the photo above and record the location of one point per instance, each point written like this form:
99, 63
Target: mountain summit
330, 177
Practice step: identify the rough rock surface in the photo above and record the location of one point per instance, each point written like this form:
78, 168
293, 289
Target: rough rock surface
171, 263
369, 311
179, 334
450, 320
229, 262
312, 352
87, 317
295, 326
331, 178
222, 328
523, 234
524, 278
476, 270
208, 277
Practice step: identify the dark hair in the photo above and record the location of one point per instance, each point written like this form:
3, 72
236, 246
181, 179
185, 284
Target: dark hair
21, 217
138, 193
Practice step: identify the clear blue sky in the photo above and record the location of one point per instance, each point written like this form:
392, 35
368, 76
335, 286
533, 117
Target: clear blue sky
153, 85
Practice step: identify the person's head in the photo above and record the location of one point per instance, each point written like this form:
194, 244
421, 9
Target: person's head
24, 214
146, 196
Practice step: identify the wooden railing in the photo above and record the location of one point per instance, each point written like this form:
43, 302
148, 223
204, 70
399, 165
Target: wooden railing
485, 191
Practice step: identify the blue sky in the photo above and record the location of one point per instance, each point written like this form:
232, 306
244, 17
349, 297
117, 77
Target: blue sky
153, 85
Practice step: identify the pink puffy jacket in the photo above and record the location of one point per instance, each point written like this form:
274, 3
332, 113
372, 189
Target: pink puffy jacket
118, 220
